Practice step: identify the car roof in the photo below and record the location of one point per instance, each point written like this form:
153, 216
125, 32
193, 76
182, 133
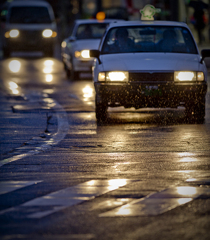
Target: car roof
24, 3
89, 21
147, 23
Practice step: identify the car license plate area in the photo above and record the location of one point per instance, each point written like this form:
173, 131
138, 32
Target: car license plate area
152, 91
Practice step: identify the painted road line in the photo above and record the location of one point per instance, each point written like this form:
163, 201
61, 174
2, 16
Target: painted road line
158, 203
63, 127
87, 236
198, 181
56, 201
9, 186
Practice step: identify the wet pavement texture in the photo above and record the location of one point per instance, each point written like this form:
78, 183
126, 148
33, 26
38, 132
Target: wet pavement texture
22, 123
143, 175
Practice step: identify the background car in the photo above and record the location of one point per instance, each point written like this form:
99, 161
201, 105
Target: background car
29, 26
150, 64
86, 35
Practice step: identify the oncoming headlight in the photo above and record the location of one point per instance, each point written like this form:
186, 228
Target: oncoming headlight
47, 33
14, 33
114, 76
83, 54
200, 76
180, 76
63, 44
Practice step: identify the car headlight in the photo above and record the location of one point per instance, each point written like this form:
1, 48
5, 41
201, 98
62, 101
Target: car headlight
63, 44
14, 33
180, 76
83, 54
47, 33
114, 76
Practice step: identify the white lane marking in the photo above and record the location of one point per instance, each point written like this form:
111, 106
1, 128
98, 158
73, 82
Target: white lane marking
9, 186
158, 203
63, 127
56, 201
199, 181
87, 236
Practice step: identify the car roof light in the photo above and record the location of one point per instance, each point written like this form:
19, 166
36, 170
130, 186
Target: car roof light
148, 12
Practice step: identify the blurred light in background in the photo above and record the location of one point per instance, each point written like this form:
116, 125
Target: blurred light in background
49, 77
87, 93
48, 66
13, 87
100, 16
14, 66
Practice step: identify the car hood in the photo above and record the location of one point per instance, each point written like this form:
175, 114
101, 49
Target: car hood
32, 26
87, 44
150, 62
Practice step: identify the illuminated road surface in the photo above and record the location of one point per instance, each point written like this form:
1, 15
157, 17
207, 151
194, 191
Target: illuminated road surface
142, 175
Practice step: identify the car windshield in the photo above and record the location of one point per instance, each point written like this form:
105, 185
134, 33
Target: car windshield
29, 15
91, 31
149, 39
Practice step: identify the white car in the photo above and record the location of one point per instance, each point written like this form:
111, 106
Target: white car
86, 35
150, 64
29, 26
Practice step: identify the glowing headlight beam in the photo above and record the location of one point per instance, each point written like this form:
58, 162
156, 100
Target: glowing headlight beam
117, 76
63, 44
47, 33
85, 54
185, 76
101, 76
77, 54
14, 33
182, 76
200, 76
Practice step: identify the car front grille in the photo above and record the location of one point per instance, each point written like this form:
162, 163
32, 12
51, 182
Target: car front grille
31, 34
151, 76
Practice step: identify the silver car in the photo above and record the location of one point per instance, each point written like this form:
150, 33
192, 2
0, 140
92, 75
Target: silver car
86, 35
29, 26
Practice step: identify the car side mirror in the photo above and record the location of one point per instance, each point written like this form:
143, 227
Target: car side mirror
205, 53
95, 53
72, 39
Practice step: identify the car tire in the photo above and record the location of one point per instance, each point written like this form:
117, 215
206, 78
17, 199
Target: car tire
73, 75
195, 112
101, 111
68, 72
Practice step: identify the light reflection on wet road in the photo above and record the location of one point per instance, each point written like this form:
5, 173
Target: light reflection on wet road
127, 130
161, 159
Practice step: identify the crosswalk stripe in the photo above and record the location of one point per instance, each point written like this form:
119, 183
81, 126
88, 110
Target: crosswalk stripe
9, 186
158, 203
56, 201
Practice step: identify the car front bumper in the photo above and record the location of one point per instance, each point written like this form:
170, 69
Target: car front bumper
30, 45
83, 65
140, 95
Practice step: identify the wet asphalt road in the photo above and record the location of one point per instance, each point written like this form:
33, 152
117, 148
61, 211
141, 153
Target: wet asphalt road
143, 175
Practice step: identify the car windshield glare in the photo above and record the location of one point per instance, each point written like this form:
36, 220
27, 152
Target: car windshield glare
148, 39
29, 15
91, 31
